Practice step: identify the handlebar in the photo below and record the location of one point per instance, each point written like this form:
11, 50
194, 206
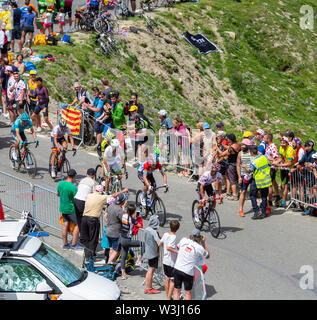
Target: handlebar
213, 198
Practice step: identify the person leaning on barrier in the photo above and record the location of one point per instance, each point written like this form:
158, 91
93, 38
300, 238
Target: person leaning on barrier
86, 186
191, 252
90, 222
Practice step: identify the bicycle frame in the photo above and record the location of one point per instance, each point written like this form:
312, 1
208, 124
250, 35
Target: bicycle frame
25, 146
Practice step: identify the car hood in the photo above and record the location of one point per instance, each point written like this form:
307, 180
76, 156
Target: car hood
96, 287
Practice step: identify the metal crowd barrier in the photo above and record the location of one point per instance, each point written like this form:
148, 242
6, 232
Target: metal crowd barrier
303, 188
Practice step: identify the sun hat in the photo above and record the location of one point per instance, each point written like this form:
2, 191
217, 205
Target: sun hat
246, 142
33, 72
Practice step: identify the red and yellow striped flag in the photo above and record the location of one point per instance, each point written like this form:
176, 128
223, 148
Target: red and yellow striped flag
73, 118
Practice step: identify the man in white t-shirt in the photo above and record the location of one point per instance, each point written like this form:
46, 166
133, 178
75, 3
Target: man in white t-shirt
169, 256
112, 158
86, 186
191, 253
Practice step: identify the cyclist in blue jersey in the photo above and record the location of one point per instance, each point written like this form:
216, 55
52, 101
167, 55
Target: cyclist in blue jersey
17, 130
145, 174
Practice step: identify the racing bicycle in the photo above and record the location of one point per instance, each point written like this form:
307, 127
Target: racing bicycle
207, 215
152, 207
62, 164
149, 22
104, 23
107, 43
25, 158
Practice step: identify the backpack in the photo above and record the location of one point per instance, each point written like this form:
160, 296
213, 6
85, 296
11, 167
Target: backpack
129, 263
51, 40
40, 39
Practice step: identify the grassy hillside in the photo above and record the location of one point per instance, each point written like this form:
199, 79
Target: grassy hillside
266, 76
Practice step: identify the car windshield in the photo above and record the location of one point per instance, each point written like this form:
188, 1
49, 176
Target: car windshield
64, 270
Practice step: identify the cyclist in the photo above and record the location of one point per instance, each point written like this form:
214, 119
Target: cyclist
112, 158
205, 184
145, 174
17, 130
57, 137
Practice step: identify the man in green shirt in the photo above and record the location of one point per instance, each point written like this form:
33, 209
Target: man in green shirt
117, 111
66, 192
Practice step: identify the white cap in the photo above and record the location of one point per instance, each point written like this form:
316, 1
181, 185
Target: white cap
162, 113
99, 188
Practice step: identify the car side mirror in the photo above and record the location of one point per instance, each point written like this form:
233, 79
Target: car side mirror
43, 288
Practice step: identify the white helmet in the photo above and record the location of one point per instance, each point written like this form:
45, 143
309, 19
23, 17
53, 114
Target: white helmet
115, 143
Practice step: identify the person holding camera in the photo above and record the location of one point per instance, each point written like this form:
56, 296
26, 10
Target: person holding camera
191, 252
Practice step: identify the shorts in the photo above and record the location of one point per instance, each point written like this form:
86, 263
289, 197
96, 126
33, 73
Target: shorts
60, 140
40, 107
99, 127
68, 10
233, 174
115, 167
207, 188
114, 243
61, 23
46, 25
284, 176
273, 173
32, 105
28, 29
181, 277
153, 263
16, 34
149, 176
71, 217
22, 135
244, 186
168, 271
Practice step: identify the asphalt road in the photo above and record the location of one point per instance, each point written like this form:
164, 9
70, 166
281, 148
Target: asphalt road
258, 259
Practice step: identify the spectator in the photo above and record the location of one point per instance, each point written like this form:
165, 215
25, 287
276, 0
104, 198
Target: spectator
28, 26
61, 20
169, 256
18, 91
107, 88
114, 215
117, 111
271, 152
41, 105
245, 176
48, 20
151, 240
66, 191
261, 182
191, 253
209, 140
8, 84
259, 134
82, 96
128, 222
86, 186
4, 43
31, 93
285, 161
106, 116
20, 64
166, 125
25, 9
309, 151
134, 102
232, 153
68, 10
91, 219
220, 126
93, 6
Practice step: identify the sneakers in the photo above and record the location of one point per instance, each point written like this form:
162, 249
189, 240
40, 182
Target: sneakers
233, 198
53, 173
76, 247
241, 214
151, 291
66, 246
196, 215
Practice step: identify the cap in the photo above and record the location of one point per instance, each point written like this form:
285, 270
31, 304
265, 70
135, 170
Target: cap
246, 142
133, 108
162, 113
284, 139
219, 124
289, 134
91, 172
309, 143
121, 198
298, 140
247, 134
259, 131
314, 156
72, 173
154, 222
33, 72
99, 188
196, 233
206, 125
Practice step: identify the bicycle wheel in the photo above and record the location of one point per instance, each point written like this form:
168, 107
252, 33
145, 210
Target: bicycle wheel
214, 223
98, 173
88, 132
143, 211
158, 208
66, 166
30, 164
197, 224
98, 25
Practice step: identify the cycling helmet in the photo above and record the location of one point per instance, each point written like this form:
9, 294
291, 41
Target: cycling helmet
115, 143
24, 117
62, 123
314, 156
215, 167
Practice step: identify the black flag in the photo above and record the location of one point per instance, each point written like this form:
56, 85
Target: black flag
200, 42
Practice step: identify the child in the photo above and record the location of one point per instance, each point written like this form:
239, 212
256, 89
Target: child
61, 20
48, 20
151, 240
169, 256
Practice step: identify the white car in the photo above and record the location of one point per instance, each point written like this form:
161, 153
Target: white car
31, 270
